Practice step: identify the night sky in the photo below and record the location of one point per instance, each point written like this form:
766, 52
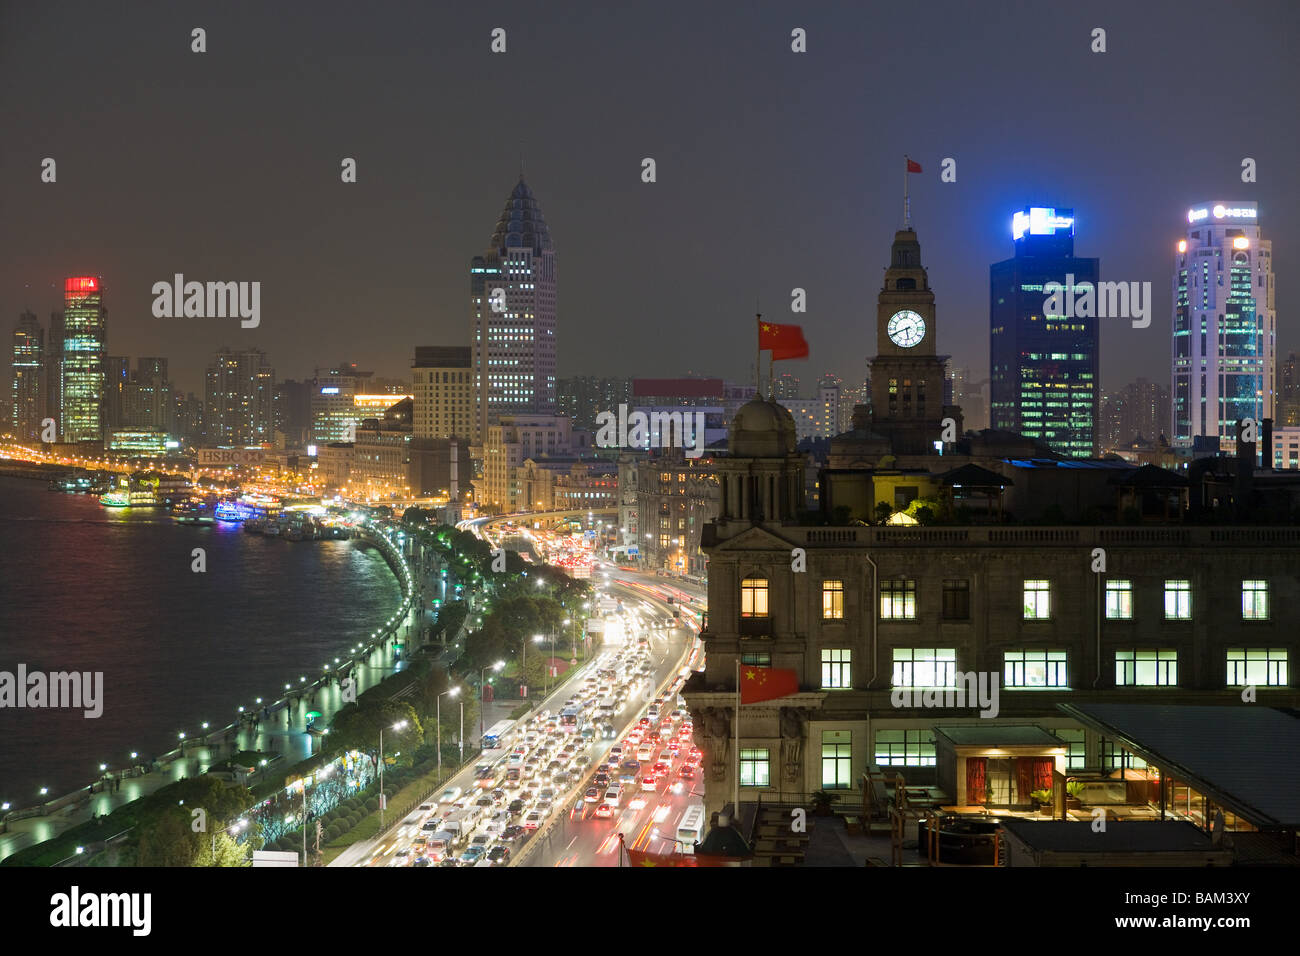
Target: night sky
775, 169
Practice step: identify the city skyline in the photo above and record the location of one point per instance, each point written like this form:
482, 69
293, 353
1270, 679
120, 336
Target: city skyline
322, 279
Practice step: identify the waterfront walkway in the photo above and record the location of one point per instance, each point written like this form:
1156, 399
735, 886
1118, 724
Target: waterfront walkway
281, 730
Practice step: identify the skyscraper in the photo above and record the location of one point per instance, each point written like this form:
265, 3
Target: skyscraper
444, 392
512, 302
240, 399
1224, 328
54, 371
1043, 369
333, 403
28, 353
84, 329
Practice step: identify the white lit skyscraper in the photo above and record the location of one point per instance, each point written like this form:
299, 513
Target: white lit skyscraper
28, 353
512, 302
1225, 328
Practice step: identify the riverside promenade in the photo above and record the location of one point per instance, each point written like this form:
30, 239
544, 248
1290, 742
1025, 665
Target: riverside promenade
281, 727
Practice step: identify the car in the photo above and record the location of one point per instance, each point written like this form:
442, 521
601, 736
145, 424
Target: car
448, 861
533, 820
484, 802
547, 793
471, 855
498, 797
450, 795
604, 811
499, 855
432, 825
512, 832
482, 841
661, 767
648, 782
687, 771
636, 803
674, 747
613, 795
632, 765
644, 752
500, 820
532, 786
643, 722
602, 779
515, 808
615, 753
404, 852
591, 795
421, 861
562, 778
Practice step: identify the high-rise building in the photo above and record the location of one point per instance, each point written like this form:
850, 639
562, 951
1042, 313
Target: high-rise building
117, 378
84, 331
293, 411
1043, 368
54, 371
1139, 410
584, 397
28, 355
512, 302
786, 385
333, 403
444, 392
1225, 327
240, 399
147, 398
1287, 411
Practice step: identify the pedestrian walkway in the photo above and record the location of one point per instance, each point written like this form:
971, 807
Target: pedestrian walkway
281, 730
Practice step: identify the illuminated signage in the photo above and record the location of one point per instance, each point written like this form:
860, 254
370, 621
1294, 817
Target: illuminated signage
311, 450
329, 391
230, 456
81, 284
1042, 221
1220, 211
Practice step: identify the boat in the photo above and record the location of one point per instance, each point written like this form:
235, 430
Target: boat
193, 511
235, 511
272, 529
255, 525
118, 498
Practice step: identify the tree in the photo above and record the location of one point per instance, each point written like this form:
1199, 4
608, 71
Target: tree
168, 840
228, 851
357, 727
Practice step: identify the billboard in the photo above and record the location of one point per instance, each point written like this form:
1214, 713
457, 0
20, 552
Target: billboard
274, 858
217, 457
1042, 221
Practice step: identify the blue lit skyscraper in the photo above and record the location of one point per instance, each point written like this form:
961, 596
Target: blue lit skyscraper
1224, 347
1043, 369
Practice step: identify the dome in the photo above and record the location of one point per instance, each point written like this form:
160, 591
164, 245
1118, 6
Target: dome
521, 225
762, 429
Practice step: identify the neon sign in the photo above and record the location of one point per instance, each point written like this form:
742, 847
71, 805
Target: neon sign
1221, 211
1041, 221
81, 284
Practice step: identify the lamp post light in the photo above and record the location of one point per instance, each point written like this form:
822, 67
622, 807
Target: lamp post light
438, 721
400, 725
482, 690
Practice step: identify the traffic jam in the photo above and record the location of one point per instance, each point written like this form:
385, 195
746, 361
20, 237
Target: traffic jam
641, 780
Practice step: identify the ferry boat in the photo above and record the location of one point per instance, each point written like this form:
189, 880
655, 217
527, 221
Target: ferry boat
255, 525
193, 512
236, 511
122, 498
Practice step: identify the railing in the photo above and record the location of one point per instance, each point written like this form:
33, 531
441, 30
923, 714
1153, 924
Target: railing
1036, 537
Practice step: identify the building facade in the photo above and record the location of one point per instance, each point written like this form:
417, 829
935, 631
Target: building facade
1224, 325
334, 415
1044, 368
513, 310
444, 392
239, 408
84, 333
676, 497
27, 365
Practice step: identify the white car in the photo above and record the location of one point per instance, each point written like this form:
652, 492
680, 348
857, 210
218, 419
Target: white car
500, 820
613, 795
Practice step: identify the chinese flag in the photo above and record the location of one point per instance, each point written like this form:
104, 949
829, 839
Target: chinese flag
913, 167
783, 341
766, 683
642, 858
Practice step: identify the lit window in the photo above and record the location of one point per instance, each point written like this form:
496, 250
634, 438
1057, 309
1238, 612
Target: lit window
1254, 600
837, 760
755, 767
753, 597
924, 667
897, 599
1259, 666
1119, 600
1178, 600
1034, 668
1146, 667
1037, 600
905, 748
836, 668
832, 600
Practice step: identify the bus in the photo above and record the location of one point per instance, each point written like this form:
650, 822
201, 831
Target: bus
691, 827
571, 720
495, 737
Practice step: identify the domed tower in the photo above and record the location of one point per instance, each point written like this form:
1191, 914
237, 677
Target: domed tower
761, 478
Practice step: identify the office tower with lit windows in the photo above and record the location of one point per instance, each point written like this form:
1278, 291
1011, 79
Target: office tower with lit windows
54, 371
444, 393
240, 408
1043, 369
1224, 346
512, 304
84, 330
28, 354
334, 414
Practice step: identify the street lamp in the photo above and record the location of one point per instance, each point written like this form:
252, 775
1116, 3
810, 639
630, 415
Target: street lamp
400, 725
438, 720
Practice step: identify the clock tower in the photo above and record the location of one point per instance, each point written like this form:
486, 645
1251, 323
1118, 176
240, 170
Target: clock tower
907, 376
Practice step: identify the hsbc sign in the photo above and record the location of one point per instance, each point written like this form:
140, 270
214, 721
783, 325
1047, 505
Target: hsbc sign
230, 456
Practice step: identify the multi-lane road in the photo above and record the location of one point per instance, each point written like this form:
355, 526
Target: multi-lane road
645, 656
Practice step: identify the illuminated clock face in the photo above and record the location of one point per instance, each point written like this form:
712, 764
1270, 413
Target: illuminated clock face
906, 328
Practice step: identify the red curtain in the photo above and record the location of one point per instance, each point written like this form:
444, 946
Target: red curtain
1024, 778
1043, 767
976, 787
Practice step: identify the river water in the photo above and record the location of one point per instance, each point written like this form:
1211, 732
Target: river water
89, 588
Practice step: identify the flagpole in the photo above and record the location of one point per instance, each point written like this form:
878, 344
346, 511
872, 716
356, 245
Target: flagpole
735, 799
758, 358
907, 203
771, 376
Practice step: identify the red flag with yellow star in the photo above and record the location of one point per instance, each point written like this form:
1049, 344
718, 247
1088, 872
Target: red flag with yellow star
758, 684
783, 341
642, 858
